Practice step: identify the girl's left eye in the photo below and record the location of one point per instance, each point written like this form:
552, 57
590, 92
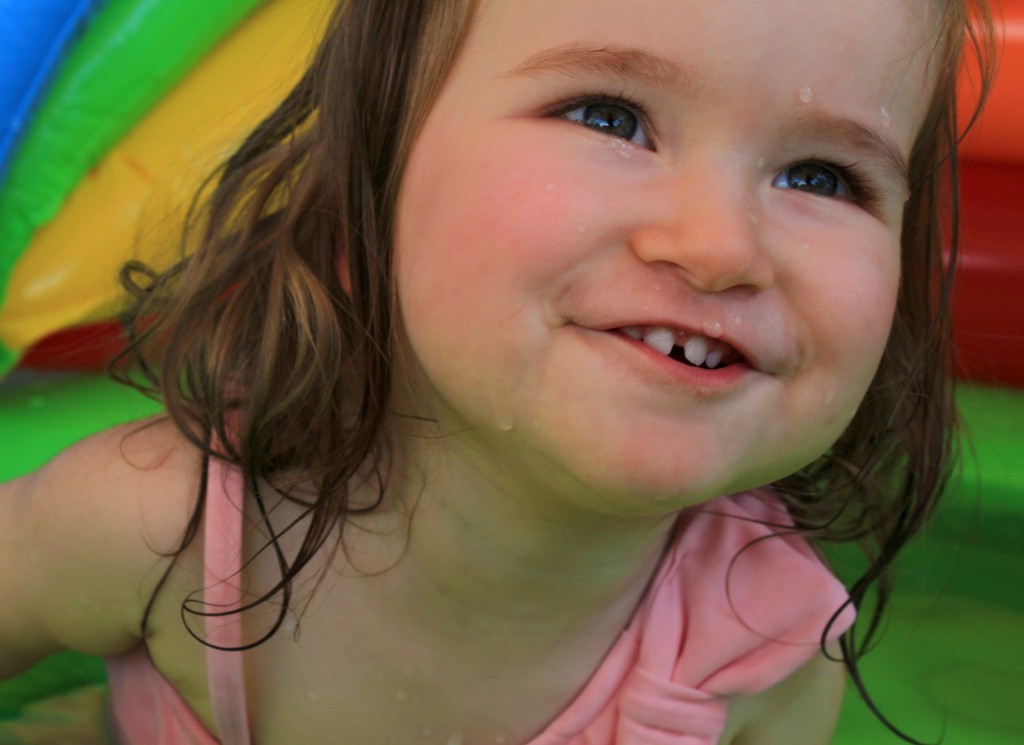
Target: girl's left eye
614, 118
814, 178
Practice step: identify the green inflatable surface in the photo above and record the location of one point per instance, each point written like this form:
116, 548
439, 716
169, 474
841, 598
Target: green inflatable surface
950, 663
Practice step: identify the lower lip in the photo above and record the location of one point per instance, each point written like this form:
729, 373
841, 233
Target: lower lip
718, 379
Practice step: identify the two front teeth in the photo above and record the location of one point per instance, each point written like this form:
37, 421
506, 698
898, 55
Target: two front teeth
698, 350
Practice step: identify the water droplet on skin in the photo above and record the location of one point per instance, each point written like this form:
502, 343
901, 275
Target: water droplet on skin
760, 162
828, 404
713, 329
550, 187
886, 117
805, 246
754, 219
505, 424
806, 94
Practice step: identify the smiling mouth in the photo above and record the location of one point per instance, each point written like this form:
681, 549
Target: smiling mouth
693, 350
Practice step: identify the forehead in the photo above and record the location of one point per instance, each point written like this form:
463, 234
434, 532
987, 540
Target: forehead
845, 51
875, 25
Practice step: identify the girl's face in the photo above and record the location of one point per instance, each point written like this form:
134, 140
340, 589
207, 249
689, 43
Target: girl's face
601, 181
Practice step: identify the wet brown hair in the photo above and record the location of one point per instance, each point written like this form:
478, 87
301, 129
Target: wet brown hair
880, 482
257, 303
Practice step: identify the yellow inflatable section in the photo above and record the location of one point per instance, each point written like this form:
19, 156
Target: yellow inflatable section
132, 204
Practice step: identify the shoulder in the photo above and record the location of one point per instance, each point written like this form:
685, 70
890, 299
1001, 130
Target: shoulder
800, 710
90, 534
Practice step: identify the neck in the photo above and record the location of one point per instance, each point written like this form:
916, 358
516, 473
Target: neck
506, 557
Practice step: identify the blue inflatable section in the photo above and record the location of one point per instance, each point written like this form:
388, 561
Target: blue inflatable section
35, 34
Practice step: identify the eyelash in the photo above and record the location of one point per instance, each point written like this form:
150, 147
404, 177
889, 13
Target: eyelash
593, 99
861, 192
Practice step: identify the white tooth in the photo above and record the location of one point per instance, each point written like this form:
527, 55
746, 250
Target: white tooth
633, 332
714, 358
660, 338
696, 350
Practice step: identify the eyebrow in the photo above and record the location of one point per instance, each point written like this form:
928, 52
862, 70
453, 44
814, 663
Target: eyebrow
625, 62
637, 64
821, 126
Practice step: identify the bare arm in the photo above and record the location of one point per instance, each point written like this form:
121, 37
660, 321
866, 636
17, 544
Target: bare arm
80, 542
801, 710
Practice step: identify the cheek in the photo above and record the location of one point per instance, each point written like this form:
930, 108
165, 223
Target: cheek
486, 239
478, 222
855, 299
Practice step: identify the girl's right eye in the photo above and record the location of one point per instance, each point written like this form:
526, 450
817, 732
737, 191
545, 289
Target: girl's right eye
621, 119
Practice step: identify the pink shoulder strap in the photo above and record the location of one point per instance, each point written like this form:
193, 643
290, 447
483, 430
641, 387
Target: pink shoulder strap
223, 564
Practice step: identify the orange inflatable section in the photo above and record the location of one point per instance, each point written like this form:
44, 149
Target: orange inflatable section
989, 300
998, 135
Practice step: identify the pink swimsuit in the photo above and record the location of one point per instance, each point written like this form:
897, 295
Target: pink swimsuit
709, 628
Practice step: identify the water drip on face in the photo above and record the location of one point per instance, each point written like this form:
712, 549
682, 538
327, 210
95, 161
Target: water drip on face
623, 148
886, 117
805, 94
713, 329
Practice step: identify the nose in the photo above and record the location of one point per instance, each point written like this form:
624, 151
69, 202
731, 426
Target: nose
707, 227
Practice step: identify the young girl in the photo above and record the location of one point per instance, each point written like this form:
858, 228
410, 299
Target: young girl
479, 328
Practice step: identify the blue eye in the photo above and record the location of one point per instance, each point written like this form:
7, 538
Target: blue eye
622, 120
813, 178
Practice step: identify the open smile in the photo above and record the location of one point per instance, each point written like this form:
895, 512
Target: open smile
694, 350
689, 359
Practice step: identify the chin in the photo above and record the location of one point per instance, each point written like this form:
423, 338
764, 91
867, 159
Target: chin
638, 487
